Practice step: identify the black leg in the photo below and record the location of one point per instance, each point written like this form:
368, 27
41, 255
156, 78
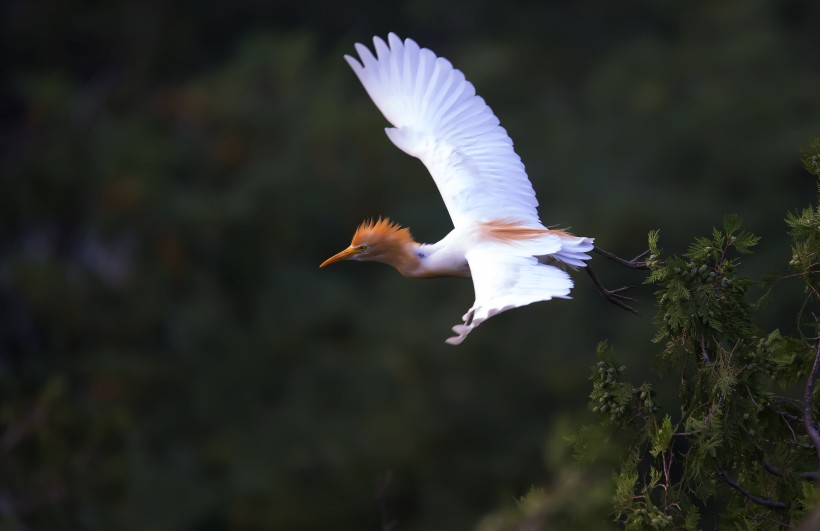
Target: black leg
635, 263
612, 296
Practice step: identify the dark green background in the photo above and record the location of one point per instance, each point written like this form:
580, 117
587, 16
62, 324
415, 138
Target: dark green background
171, 357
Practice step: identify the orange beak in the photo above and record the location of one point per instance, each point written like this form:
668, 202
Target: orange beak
344, 255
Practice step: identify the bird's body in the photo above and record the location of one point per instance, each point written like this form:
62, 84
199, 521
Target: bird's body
497, 239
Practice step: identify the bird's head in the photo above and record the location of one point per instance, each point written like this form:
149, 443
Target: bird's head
378, 241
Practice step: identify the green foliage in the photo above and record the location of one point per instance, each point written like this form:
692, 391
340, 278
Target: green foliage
613, 396
811, 158
740, 440
700, 294
804, 229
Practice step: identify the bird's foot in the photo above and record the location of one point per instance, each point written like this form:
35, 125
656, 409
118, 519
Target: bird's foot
636, 263
612, 295
618, 300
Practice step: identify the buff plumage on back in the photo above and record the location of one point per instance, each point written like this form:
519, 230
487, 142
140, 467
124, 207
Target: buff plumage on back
439, 119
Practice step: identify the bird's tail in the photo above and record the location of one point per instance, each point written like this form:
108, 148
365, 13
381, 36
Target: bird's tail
573, 251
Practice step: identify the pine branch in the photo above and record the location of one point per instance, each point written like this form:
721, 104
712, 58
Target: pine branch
760, 500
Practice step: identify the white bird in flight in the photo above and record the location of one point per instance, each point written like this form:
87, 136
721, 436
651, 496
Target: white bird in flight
497, 239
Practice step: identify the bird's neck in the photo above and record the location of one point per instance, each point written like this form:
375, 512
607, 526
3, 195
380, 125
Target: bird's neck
421, 260
407, 258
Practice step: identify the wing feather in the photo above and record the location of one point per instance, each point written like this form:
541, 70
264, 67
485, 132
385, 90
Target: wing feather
438, 118
505, 281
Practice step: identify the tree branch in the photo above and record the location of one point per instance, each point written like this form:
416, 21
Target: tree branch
775, 471
771, 469
809, 476
760, 500
808, 400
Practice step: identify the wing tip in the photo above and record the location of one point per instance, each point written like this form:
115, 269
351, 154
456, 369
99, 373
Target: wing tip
461, 331
394, 40
353, 62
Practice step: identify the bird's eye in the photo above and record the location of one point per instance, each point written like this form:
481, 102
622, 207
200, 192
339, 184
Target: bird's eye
363, 248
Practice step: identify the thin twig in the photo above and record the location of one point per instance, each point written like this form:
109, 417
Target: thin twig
760, 500
783, 416
667, 466
714, 409
786, 399
774, 283
752, 398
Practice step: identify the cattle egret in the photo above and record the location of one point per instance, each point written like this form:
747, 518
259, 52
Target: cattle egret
497, 239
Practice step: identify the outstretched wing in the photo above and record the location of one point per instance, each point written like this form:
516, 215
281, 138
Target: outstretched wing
439, 118
506, 281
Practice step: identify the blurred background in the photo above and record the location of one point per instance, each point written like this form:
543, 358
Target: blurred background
173, 173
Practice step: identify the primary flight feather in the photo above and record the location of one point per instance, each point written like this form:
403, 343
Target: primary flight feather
497, 239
